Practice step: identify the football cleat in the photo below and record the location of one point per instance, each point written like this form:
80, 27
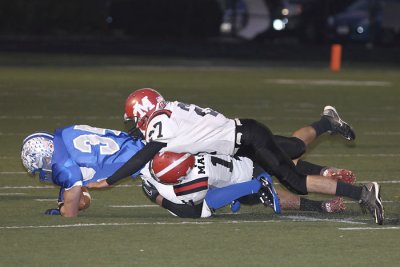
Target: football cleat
334, 205
342, 175
267, 193
371, 201
337, 124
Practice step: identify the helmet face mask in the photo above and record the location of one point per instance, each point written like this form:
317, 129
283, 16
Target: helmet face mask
36, 154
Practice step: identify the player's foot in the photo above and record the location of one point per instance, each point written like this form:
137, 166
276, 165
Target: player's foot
371, 201
337, 124
342, 175
334, 205
267, 193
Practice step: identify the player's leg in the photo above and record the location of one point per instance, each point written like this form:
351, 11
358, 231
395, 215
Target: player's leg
219, 197
307, 134
290, 201
271, 158
367, 195
309, 168
329, 122
295, 148
332, 123
258, 143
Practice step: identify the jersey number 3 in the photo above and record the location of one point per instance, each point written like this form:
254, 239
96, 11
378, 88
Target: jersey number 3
85, 142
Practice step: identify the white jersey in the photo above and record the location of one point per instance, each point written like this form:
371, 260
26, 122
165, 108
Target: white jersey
189, 128
210, 171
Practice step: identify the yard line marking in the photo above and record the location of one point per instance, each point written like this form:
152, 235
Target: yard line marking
328, 82
365, 155
380, 182
294, 218
41, 117
133, 206
134, 223
46, 199
54, 186
370, 228
314, 219
5, 173
12, 194
28, 187
11, 134
382, 133
384, 201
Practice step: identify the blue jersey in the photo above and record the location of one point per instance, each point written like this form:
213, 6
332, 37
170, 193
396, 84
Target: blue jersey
85, 154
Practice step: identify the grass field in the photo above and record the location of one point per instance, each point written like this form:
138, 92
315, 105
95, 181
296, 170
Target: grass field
123, 228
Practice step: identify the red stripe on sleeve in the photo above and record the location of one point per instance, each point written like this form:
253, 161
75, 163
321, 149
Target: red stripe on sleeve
190, 187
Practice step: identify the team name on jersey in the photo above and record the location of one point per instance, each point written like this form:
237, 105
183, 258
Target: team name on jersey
200, 164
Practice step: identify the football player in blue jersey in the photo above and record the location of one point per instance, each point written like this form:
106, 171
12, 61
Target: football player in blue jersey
80, 154
75, 156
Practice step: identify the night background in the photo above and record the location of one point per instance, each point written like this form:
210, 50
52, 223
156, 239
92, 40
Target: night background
279, 30
280, 62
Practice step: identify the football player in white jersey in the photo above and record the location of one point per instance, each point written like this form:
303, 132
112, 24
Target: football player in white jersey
179, 127
195, 186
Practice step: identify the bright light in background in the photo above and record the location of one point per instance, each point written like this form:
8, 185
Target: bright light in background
285, 11
360, 29
278, 25
226, 27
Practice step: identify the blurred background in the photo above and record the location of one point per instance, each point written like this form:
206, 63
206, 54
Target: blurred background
290, 30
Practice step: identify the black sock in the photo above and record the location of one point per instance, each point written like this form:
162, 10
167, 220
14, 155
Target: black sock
310, 205
321, 126
348, 190
308, 168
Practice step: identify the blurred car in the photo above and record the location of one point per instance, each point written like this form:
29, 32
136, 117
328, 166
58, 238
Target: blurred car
305, 20
366, 21
247, 19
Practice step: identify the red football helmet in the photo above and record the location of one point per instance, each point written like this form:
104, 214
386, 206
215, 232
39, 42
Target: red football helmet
140, 105
170, 167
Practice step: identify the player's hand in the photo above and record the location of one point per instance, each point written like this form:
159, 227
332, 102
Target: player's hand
52, 212
150, 191
98, 185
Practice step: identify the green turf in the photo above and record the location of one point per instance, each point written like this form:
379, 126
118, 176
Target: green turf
45, 92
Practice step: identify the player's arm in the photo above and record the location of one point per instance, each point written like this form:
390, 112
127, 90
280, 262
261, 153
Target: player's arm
133, 165
84, 202
180, 210
72, 199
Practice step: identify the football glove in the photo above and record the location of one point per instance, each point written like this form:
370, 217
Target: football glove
150, 190
52, 212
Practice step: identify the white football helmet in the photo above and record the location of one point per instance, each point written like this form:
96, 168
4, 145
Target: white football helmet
36, 153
